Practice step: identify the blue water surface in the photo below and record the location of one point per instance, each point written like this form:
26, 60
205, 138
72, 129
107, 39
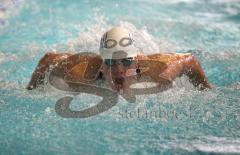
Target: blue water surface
189, 121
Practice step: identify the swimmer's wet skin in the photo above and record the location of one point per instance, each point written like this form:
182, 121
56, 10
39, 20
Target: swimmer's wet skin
119, 59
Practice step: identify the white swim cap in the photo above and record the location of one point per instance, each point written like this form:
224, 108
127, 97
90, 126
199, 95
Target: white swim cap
117, 43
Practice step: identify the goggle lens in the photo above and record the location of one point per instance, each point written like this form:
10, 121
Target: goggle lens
126, 62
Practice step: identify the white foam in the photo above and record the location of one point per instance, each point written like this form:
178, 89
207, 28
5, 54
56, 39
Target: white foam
47, 110
6, 57
89, 40
217, 145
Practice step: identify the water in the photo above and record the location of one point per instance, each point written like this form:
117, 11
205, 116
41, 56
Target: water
181, 120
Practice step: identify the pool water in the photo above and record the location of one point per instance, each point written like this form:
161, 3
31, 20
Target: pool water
180, 120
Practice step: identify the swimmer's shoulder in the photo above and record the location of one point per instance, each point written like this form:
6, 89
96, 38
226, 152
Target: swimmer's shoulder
164, 57
83, 67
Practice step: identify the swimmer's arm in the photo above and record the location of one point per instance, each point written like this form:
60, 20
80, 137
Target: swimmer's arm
186, 64
194, 71
44, 64
39, 73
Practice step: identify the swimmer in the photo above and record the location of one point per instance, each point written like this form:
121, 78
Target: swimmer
119, 63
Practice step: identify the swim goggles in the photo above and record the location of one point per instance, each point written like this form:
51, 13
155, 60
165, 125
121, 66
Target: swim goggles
126, 61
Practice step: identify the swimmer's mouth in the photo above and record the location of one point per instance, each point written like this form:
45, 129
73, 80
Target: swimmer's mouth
119, 80
119, 83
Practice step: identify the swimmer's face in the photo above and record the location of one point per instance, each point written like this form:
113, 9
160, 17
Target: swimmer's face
115, 70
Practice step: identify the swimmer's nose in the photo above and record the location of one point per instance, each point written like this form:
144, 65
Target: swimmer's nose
119, 69
120, 66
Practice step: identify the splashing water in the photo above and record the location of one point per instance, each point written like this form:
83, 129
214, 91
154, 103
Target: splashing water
180, 120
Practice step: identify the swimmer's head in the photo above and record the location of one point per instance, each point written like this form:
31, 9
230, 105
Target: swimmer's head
118, 53
117, 43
